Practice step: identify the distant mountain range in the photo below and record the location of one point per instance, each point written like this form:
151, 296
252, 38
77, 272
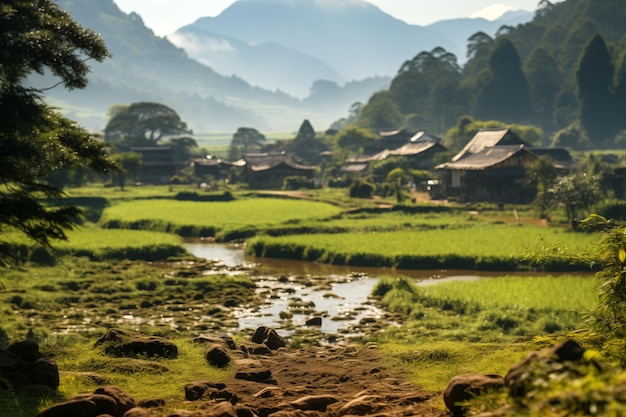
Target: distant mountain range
267, 64
287, 45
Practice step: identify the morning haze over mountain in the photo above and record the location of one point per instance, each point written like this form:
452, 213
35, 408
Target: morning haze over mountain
268, 64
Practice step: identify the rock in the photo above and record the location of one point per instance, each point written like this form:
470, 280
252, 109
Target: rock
266, 392
223, 409
45, 372
253, 371
226, 340
462, 388
27, 350
269, 337
314, 321
259, 350
105, 404
139, 412
124, 401
196, 390
122, 343
74, 408
515, 379
314, 402
362, 406
216, 355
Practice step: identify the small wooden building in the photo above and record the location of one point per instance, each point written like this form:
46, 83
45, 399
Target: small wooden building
496, 174
214, 167
268, 171
157, 164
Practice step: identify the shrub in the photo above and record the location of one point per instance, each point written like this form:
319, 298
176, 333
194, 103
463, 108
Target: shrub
362, 189
298, 183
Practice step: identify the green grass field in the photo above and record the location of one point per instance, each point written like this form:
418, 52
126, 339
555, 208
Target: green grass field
484, 246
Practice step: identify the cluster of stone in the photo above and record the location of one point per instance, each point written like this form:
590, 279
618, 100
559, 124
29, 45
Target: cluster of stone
463, 388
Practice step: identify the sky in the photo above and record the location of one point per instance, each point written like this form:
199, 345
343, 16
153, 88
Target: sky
166, 16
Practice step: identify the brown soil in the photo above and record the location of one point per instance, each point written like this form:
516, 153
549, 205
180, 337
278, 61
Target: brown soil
327, 381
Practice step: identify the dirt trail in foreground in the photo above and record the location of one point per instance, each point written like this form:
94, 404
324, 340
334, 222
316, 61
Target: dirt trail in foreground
328, 381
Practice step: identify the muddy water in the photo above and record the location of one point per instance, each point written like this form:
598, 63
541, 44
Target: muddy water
296, 291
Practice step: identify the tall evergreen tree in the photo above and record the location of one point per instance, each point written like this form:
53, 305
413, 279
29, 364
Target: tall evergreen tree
544, 81
506, 95
594, 84
620, 94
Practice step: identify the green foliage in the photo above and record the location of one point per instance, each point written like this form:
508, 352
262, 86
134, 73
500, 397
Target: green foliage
353, 139
245, 140
361, 189
36, 140
577, 194
142, 124
298, 183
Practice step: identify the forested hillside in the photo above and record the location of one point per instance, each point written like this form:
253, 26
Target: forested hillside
565, 72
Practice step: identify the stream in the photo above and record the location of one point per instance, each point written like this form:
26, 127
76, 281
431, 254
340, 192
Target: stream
294, 292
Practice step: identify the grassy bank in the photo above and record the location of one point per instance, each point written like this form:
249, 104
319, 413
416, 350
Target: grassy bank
484, 247
206, 219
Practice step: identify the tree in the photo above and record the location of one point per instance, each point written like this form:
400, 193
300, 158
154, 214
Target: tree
306, 144
142, 124
380, 113
577, 193
244, 140
36, 140
130, 163
353, 140
594, 81
505, 95
544, 81
543, 172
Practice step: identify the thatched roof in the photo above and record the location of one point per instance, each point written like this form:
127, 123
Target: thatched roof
487, 139
485, 158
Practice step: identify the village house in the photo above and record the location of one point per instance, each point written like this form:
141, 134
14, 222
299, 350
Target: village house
493, 167
158, 165
269, 170
419, 149
215, 168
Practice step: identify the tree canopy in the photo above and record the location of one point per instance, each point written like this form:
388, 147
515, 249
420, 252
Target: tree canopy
143, 124
36, 140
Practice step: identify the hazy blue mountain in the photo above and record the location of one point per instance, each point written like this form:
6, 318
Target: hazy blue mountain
459, 30
268, 65
147, 67
354, 37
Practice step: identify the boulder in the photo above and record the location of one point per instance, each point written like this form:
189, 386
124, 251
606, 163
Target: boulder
314, 321
314, 402
217, 355
252, 371
269, 337
74, 408
198, 389
124, 401
22, 364
544, 361
122, 343
462, 388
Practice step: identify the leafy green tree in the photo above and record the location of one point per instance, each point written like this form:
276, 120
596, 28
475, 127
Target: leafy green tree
306, 144
577, 194
380, 113
543, 172
131, 164
505, 95
620, 94
594, 80
183, 148
35, 140
352, 140
142, 124
245, 140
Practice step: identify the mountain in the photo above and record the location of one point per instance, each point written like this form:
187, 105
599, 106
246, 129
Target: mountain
267, 65
354, 37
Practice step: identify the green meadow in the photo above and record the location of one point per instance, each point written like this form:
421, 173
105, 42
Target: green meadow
126, 266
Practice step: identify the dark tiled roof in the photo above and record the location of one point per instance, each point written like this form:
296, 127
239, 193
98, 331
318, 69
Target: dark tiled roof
485, 158
561, 157
264, 161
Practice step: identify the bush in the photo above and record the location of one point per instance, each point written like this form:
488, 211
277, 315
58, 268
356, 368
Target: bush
613, 210
362, 189
298, 183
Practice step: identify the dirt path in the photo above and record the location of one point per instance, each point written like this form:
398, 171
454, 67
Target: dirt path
325, 381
